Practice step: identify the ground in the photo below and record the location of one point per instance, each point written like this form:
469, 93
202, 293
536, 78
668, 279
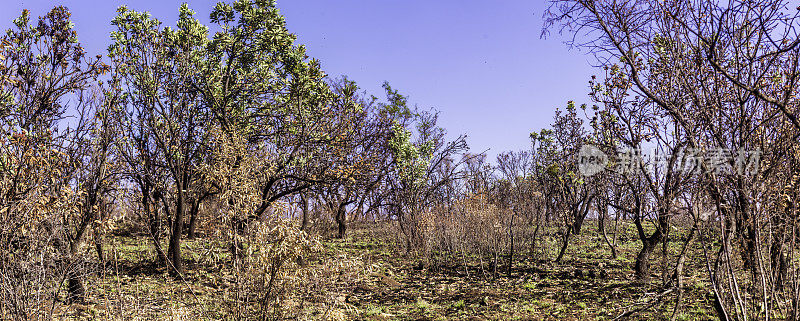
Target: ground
366, 277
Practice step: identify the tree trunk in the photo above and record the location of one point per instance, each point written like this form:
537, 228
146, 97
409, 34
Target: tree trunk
236, 249
193, 213
601, 219
304, 205
779, 262
98, 246
577, 224
564, 245
177, 229
169, 217
341, 220
642, 265
494, 264
102, 214
76, 292
511, 248
534, 237
579, 213
601, 225
155, 222
511, 256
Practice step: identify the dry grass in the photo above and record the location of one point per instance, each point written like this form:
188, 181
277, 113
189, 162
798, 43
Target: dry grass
366, 277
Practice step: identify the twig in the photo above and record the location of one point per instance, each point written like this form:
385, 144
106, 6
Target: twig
644, 305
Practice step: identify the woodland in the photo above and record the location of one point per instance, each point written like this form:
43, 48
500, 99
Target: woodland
212, 170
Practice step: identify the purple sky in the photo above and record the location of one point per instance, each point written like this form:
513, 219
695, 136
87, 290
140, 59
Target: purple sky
481, 63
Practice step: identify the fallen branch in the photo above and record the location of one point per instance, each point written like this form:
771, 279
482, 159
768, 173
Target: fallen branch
643, 305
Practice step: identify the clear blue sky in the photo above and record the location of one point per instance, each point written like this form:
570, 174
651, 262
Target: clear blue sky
481, 63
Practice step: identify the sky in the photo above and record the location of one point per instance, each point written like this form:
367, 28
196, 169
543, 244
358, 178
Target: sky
482, 64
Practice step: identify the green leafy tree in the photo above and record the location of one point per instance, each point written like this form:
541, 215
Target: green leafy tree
155, 71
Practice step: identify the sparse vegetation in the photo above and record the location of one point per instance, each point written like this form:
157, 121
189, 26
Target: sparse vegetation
208, 171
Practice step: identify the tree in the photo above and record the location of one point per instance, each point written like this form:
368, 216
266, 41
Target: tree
573, 193
45, 74
724, 77
94, 179
258, 85
517, 192
154, 72
423, 165
359, 158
